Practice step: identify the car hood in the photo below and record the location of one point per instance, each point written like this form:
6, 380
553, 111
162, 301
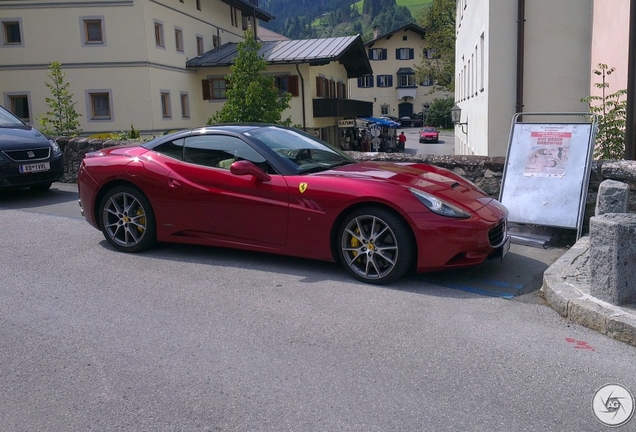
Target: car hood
21, 138
438, 181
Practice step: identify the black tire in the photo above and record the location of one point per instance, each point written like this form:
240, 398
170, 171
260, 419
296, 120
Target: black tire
127, 220
42, 187
375, 245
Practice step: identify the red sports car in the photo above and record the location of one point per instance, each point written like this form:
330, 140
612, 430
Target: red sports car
429, 134
273, 189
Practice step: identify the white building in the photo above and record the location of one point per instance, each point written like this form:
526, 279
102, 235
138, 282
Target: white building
136, 62
515, 56
393, 87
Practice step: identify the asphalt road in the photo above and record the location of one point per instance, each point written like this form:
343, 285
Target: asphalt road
186, 338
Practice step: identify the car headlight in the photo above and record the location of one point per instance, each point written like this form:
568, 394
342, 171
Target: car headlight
56, 148
438, 206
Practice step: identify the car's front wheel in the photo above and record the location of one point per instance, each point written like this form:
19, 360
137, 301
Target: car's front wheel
375, 245
127, 219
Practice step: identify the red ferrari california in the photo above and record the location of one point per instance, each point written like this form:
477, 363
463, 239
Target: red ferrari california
274, 189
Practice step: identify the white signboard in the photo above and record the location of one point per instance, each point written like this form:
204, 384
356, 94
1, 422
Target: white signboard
547, 173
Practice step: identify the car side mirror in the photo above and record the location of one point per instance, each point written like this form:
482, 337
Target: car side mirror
245, 167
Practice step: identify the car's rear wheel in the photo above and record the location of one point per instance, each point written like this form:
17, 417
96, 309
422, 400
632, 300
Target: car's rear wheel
127, 219
375, 245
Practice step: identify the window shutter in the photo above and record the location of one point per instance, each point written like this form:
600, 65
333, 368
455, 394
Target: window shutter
390, 80
411, 53
292, 83
384, 55
397, 54
378, 79
205, 86
319, 92
371, 80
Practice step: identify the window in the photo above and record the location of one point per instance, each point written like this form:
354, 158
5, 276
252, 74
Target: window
219, 151
11, 34
92, 31
174, 149
99, 105
404, 53
247, 21
178, 38
200, 49
342, 91
429, 53
287, 84
185, 105
233, 16
377, 54
321, 87
365, 81
407, 80
18, 104
166, 112
214, 88
216, 41
428, 81
385, 80
159, 41
384, 110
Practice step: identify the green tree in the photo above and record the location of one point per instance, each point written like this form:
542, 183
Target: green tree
439, 113
251, 95
439, 21
611, 111
61, 119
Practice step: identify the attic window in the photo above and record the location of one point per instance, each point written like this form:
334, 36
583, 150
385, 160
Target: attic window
404, 38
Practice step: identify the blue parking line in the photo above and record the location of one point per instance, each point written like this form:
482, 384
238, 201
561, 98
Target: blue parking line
504, 284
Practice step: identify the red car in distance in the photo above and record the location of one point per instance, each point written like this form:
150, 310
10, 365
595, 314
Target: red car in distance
274, 189
429, 134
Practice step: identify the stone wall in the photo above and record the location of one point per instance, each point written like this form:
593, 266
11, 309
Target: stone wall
485, 172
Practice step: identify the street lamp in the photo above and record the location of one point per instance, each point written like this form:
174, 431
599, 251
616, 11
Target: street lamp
456, 115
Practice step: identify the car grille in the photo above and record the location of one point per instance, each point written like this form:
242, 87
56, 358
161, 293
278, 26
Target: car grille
497, 235
29, 154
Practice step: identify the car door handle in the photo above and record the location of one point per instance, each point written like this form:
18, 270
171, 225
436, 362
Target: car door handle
173, 183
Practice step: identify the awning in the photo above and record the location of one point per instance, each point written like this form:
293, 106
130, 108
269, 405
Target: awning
381, 121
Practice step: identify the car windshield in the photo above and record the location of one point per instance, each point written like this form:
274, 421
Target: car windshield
429, 129
9, 120
307, 153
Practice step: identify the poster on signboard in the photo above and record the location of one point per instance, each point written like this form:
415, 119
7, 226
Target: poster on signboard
547, 173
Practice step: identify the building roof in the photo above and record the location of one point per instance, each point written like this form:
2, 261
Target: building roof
248, 7
348, 50
409, 27
265, 34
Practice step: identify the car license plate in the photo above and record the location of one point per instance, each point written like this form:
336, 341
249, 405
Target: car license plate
36, 167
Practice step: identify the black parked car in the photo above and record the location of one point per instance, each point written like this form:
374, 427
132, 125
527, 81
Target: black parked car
27, 157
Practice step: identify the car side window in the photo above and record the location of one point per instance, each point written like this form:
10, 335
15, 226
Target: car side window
220, 151
173, 149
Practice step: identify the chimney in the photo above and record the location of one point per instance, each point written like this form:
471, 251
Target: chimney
376, 31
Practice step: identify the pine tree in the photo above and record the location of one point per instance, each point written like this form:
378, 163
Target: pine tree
61, 119
251, 96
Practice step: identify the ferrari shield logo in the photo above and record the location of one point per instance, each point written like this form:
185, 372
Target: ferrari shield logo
302, 187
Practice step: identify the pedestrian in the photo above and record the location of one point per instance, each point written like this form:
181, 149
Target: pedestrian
401, 142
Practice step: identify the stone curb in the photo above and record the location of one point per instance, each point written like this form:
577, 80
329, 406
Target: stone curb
566, 288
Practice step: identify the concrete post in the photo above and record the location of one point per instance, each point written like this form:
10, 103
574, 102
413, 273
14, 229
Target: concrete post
613, 197
613, 257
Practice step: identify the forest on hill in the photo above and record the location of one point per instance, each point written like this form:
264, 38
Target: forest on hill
306, 19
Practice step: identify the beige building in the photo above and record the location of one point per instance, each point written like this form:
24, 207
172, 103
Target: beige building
393, 87
518, 56
130, 62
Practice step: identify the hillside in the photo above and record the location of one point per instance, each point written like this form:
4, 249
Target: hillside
302, 19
